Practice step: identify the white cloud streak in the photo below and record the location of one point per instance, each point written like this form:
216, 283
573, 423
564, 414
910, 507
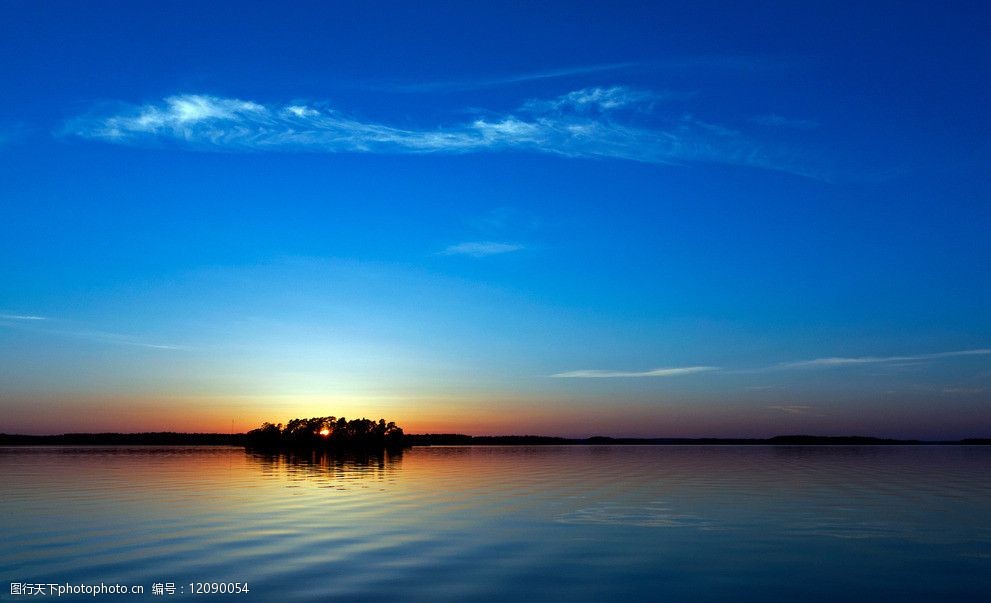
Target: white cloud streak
835, 361
963, 390
792, 409
614, 122
830, 362
658, 372
116, 339
480, 249
41, 324
21, 317
596, 100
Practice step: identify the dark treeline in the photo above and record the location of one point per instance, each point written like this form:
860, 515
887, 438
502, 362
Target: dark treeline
455, 439
158, 438
367, 434
327, 432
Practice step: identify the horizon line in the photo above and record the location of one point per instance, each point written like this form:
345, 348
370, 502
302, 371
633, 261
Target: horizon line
618, 439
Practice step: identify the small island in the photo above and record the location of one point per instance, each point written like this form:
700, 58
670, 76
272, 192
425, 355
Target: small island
329, 433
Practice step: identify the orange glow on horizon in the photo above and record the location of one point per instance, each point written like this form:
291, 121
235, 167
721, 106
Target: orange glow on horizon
52, 414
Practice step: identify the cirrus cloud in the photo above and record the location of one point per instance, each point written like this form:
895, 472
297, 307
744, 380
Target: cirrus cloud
602, 122
658, 372
836, 361
479, 249
824, 363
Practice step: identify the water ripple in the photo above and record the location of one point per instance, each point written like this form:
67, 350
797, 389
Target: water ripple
500, 523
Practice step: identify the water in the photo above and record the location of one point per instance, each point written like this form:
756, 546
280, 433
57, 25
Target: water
719, 523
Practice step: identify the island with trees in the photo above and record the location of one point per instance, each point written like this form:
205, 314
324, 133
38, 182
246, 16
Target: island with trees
336, 433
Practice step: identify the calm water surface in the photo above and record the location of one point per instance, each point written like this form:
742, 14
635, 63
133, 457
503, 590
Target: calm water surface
719, 523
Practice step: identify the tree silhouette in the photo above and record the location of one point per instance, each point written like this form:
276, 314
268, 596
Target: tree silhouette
327, 432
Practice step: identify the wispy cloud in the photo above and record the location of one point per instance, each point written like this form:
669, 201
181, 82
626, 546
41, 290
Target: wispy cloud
119, 339
963, 390
41, 324
479, 249
658, 372
611, 122
596, 100
21, 317
833, 361
836, 361
792, 409
114, 339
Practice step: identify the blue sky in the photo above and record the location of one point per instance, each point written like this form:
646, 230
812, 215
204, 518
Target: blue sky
677, 219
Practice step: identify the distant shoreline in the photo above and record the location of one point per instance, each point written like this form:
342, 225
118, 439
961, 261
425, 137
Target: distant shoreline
414, 440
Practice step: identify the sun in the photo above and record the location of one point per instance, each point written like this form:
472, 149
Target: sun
325, 432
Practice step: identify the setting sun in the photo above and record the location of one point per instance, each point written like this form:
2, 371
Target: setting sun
325, 432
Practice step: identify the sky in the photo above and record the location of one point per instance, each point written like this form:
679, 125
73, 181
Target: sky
671, 219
